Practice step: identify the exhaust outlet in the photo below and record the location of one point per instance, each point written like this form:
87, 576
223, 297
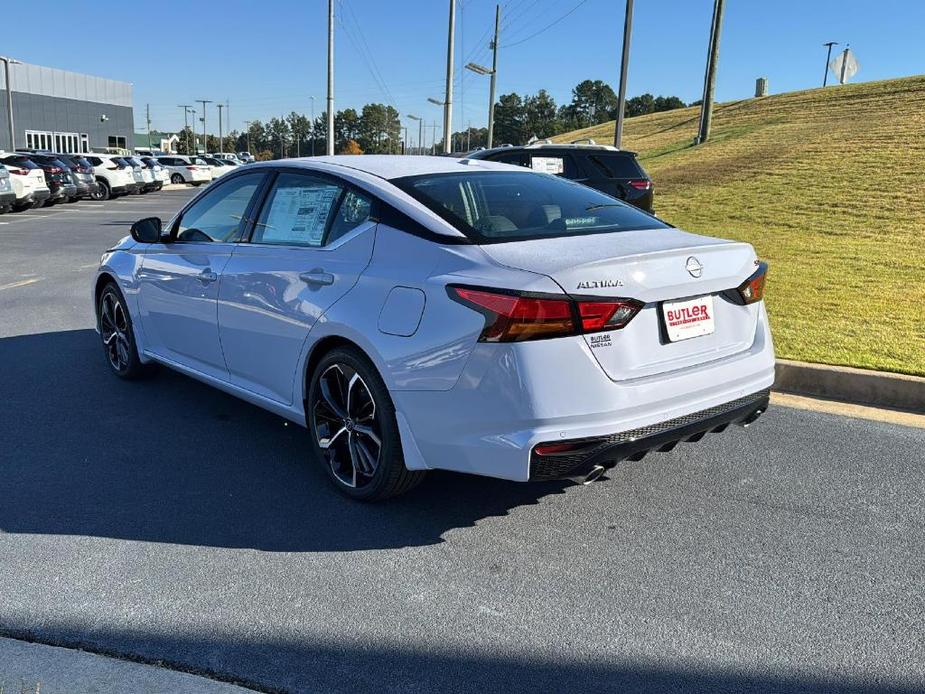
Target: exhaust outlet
595, 474
751, 418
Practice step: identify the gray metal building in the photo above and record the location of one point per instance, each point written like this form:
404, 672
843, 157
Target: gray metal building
65, 111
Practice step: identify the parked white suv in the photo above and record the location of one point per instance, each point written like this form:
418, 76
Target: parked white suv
161, 175
113, 174
27, 180
186, 169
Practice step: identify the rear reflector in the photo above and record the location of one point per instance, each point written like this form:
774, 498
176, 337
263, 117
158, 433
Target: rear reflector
607, 315
752, 289
514, 317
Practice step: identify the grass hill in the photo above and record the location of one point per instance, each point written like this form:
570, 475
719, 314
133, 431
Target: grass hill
829, 186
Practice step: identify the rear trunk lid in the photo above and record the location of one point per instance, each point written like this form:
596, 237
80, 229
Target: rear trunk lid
653, 266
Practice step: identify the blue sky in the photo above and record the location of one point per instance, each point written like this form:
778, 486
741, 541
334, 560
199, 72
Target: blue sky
269, 61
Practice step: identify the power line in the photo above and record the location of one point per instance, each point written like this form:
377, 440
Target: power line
545, 28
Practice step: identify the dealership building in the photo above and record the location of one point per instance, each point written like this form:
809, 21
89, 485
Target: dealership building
65, 111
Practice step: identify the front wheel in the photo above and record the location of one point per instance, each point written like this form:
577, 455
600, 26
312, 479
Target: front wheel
353, 428
116, 332
176, 179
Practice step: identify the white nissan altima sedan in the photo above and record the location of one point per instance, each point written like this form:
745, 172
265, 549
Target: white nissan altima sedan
425, 312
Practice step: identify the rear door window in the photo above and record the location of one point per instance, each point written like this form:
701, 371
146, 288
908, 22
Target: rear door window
297, 211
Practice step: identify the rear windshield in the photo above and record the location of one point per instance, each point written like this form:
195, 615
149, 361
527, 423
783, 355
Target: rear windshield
498, 206
20, 162
617, 166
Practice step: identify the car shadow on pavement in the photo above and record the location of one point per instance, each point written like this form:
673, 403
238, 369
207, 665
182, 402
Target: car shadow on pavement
171, 460
275, 665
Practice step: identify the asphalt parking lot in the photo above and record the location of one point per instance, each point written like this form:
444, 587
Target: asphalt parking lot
166, 521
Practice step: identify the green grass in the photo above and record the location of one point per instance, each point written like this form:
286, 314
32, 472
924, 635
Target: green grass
829, 186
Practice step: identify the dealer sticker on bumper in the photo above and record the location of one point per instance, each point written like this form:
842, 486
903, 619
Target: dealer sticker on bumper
688, 318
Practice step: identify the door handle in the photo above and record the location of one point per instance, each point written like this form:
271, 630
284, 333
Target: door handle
207, 276
319, 277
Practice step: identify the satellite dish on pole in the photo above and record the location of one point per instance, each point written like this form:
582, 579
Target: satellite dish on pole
844, 65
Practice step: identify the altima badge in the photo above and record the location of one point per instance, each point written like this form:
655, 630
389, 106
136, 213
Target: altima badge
694, 267
599, 284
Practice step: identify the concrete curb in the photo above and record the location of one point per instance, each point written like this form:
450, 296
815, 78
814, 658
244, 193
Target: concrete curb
860, 386
35, 667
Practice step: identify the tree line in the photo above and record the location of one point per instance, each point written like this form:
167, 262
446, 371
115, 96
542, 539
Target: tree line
377, 128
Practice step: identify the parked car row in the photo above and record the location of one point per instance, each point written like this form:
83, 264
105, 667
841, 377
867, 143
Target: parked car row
33, 178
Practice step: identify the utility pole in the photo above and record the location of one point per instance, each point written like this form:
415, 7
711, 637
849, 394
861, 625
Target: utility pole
448, 99
709, 82
205, 139
494, 76
228, 117
844, 66
624, 67
221, 142
247, 124
186, 109
469, 136
148, 122
330, 143
313, 125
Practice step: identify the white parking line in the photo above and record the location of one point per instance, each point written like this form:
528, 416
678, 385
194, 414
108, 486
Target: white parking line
20, 283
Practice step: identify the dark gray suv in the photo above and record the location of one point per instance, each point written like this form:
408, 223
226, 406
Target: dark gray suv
613, 171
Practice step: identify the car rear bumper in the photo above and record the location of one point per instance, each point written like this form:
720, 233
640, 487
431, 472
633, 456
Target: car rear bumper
590, 456
512, 397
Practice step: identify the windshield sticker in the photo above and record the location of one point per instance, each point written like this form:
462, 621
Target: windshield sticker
550, 165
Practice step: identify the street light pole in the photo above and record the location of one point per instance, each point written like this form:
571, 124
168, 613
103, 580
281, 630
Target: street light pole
186, 109
624, 66
330, 138
9, 98
828, 57
205, 138
247, 124
221, 144
448, 99
420, 132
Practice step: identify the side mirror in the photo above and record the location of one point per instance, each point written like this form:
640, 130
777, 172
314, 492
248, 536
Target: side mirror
147, 230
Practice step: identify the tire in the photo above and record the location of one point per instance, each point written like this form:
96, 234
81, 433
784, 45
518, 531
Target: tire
71, 201
116, 333
346, 446
197, 183
176, 179
102, 192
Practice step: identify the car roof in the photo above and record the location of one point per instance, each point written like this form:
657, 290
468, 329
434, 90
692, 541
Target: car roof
571, 146
391, 166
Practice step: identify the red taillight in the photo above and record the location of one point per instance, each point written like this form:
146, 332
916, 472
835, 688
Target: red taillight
18, 172
640, 184
514, 317
752, 289
54, 169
